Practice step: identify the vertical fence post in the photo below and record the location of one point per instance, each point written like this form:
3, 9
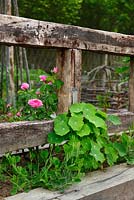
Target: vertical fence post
69, 63
10, 63
131, 85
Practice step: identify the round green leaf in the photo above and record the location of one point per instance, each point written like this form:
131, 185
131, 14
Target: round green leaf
96, 153
61, 128
55, 139
77, 114
60, 125
89, 109
97, 121
76, 108
86, 144
111, 154
61, 118
85, 130
101, 114
76, 122
121, 148
114, 119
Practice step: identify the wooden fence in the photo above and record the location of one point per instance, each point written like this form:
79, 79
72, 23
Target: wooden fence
69, 41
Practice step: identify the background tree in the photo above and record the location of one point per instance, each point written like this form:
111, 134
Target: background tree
65, 11
111, 15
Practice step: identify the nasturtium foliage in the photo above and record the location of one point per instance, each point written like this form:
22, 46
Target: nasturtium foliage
85, 130
89, 110
97, 121
101, 114
90, 163
101, 141
86, 144
114, 119
60, 125
111, 154
121, 148
54, 138
76, 108
96, 153
76, 122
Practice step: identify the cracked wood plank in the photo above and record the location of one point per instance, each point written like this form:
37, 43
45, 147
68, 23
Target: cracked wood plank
69, 62
28, 32
20, 135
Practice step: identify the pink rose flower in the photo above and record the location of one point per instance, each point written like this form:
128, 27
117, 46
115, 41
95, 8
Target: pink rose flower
35, 103
24, 86
38, 92
50, 83
55, 70
9, 105
18, 114
43, 78
9, 114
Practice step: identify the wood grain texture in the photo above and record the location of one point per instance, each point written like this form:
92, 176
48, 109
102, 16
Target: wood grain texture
116, 183
27, 32
127, 122
131, 85
69, 64
20, 135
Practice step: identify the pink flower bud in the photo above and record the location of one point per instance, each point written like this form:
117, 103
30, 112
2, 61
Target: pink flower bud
24, 86
18, 114
35, 103
9, 105
9, 114
43, 78
55, 70
50, 83
38, 92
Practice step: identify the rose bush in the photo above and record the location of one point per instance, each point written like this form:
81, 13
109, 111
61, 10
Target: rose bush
37, 103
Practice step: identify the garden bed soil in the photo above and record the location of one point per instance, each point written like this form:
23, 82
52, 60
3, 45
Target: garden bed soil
5, 189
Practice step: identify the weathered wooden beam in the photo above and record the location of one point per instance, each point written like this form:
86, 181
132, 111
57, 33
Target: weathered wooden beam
69, 64
10, 63
20, 135
127, 122
131, 85
28, 32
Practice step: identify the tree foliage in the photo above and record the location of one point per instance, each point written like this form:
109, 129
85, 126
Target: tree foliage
111, 15
65, 11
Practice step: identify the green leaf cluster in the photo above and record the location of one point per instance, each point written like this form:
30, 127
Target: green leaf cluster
85, 131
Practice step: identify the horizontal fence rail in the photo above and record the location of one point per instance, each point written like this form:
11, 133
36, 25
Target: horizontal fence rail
28, 32
21, 135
